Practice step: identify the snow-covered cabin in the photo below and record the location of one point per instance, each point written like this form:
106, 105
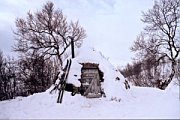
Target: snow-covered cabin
109, 85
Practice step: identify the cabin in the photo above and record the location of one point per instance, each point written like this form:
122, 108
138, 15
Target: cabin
91, 79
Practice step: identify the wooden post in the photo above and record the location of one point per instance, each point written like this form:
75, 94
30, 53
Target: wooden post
72, 48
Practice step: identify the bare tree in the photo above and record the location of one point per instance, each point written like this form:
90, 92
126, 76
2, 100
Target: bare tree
160, 36
47, 33
7, 77
36, 73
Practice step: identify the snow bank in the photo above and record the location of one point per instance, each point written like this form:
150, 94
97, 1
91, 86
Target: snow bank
173, 88
147, 103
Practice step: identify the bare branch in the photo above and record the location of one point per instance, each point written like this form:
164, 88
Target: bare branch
47, 32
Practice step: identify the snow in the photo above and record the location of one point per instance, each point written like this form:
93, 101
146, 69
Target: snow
145, 103
136, 102
173, 87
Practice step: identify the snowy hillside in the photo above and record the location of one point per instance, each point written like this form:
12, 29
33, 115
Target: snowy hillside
146, 103
135, 102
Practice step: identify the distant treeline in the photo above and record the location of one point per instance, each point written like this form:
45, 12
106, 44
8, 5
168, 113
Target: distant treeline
25, 76
149, 73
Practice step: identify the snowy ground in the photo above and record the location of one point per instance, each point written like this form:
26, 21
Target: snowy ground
119, 103
144, 103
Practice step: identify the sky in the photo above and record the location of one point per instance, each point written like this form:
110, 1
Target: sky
111, 25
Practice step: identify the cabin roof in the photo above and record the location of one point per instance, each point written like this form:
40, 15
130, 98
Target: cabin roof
90, 66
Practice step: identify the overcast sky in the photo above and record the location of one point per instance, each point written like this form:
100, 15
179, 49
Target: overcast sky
111, 25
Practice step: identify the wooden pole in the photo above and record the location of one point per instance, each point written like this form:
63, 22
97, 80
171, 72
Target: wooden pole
72, 48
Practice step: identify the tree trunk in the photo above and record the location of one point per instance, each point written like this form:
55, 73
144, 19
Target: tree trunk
166, 82
14, 92
60, 61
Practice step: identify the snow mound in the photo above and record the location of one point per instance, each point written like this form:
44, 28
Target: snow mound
174, 88
113, 84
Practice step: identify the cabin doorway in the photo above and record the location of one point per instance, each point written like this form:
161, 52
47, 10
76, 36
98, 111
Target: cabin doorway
91, 79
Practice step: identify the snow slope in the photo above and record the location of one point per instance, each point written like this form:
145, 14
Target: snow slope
146, 103
137, 102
